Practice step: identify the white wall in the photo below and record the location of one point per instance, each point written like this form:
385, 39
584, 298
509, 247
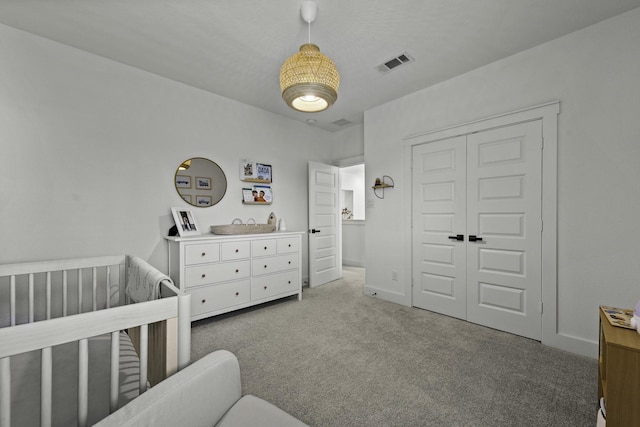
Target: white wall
353, 243
352, 178
90, 146
595, 73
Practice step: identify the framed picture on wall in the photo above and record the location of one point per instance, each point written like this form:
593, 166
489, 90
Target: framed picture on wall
255, 172
203, 183
203, 201
183, 181
185, 221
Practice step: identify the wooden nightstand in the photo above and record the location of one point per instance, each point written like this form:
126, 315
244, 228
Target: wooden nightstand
619, 373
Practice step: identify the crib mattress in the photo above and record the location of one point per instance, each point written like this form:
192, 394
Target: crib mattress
25, 382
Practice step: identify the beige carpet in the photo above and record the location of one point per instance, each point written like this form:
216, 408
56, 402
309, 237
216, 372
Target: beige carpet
339, 358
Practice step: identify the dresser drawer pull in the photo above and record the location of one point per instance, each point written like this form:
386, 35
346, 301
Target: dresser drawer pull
237, 293
289, 244
289, 262
203, 275
237, 270
265, 286
289, 282
265, 266
237, 250
265, 248
204, 253
204, 300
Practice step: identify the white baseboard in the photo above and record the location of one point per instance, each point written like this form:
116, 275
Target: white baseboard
572, 344
353, 262
386, 295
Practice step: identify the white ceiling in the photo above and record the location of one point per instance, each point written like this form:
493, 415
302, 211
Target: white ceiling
235, 48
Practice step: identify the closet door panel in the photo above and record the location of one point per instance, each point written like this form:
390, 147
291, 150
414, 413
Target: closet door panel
504, 205
439, 199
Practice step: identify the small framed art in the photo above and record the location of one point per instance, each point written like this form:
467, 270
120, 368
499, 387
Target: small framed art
258, 194
255, 172
203, 201
203, 183
183, 181
185, 222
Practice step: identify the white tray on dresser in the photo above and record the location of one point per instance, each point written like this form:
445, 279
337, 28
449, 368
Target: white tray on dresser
224, 273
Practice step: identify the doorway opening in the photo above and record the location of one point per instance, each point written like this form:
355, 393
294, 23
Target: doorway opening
352, 207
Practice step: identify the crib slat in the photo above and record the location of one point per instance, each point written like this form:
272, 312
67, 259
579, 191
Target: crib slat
31, 303
108, 285
184, 331
94, 288
64, 293
48, 295
79, 291
144, 352
83, 382
115, 370
5, 392
12, 297
46, 387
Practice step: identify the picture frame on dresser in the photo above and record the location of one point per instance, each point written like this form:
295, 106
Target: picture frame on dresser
186, 222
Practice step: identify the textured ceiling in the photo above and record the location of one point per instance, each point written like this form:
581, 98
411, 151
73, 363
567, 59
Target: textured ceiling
235, 48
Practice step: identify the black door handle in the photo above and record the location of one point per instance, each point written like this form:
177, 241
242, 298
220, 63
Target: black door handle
313, 230
473, 238
459, 237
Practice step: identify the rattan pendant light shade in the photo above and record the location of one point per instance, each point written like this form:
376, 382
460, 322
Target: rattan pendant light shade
309, 80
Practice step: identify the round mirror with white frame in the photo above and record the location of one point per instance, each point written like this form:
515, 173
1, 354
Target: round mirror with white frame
200, 182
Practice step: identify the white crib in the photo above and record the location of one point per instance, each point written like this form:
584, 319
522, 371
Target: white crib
74, 347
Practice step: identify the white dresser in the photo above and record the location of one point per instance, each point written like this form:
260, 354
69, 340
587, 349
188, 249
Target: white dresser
226, 273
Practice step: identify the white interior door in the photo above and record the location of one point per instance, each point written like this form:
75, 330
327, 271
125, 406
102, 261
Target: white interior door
487, 187
325, 225
504, 209
439, 217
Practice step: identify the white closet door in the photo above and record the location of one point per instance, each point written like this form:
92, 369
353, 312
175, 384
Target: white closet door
504, 202
439, 214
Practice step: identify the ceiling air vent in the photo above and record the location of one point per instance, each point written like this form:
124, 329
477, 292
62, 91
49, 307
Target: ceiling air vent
341, 122
394, 63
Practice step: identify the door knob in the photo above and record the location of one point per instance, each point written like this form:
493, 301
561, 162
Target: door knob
473, 238
459, 237
313, 230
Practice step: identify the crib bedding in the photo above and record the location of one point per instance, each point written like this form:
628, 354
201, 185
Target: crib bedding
25, 382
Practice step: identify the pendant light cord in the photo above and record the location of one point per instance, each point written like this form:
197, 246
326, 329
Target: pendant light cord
309, 25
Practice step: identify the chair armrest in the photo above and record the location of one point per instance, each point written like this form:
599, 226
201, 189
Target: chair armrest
198, 395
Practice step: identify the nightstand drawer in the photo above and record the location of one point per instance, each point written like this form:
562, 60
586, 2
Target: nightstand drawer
235, 250
214, 273
200, 254
274, 264
263, 247
275, 284
288, 245
217, 297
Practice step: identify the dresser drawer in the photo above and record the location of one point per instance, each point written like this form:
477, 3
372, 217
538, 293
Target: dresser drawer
221, 272
288, 245
263, 247
274, 264
235, 250
201, 253
217, 297
275, 284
